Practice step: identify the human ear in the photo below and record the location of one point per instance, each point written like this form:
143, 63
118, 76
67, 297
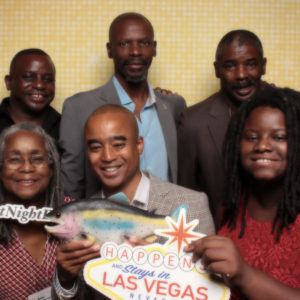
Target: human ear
7, 80
108, 48
140, 145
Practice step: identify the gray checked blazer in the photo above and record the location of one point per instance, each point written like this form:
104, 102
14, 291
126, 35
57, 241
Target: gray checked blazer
79, 182
164, 198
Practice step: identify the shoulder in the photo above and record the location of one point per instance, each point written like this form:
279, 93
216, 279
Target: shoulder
83, 97
175, 100
163, 186
203, 107
54, 113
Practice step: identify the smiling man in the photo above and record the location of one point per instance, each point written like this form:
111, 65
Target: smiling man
239, 65
113, 149
31, 82
132, 47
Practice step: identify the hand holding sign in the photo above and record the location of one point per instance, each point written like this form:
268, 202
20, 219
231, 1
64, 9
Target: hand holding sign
220, 255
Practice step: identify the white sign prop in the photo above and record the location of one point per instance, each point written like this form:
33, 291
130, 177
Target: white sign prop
22, 214
155, 271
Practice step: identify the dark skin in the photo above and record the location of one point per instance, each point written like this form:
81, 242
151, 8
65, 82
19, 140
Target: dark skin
31, 83
240, 68
264, 157
26, 185
105, 151
132, 48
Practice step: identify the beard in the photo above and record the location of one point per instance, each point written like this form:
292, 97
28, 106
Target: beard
135, 79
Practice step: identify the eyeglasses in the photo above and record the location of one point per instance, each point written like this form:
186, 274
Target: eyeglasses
37, 161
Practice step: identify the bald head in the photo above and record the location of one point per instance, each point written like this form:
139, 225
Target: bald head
113, 149
127, 17
117, 110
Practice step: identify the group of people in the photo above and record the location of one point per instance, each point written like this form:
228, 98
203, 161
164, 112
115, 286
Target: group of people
234, 157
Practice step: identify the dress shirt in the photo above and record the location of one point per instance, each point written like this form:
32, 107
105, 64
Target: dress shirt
154, 158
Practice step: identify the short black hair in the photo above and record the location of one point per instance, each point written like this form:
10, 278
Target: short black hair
288, 101
26, 52
243, 37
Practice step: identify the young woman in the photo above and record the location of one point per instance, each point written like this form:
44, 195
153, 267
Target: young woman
258, 247
29, 175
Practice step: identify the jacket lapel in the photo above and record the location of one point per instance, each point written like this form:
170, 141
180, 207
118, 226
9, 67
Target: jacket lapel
109, 93
219, 117
157, 193
169, 131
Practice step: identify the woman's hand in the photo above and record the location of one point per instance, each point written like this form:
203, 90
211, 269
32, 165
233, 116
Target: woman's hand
220, 256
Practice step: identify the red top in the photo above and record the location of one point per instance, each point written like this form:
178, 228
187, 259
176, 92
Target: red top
259, 249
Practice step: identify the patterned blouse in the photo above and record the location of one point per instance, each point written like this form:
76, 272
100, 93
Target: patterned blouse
259, 249
20, 273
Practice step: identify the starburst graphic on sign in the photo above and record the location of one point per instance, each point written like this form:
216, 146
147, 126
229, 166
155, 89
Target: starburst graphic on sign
180, 232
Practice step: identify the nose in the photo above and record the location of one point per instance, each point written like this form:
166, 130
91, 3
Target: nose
39, 83
135, 49
108, 154
263, 145
241, 72
26, 166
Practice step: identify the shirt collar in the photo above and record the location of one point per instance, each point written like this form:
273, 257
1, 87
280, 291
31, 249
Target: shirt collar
125, 99
141, 196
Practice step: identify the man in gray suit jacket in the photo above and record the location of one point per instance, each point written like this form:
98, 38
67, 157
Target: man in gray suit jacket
132, 47
113, 148
239, 65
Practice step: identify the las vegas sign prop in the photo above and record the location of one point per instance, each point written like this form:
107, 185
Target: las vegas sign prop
155, 271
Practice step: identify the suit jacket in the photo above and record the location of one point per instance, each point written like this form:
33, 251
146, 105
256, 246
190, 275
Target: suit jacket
164, 198
79, 182
201, 132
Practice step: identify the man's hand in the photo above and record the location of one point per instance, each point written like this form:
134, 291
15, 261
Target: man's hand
164, 91
71, 258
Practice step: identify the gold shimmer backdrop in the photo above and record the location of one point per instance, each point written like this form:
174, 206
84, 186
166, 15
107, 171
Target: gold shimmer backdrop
74, 33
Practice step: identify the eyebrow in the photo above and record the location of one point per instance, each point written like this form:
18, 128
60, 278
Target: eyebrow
18, 152
113, 138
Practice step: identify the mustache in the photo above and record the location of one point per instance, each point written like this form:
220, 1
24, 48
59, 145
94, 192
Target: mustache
139, 61
243, 84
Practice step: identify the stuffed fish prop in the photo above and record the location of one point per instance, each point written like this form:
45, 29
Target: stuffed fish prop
102, 220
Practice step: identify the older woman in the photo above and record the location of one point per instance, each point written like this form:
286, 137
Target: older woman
29, 175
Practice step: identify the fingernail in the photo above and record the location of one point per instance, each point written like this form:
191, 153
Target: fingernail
96, 247
87, 243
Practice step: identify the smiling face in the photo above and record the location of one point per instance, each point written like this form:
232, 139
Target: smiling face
132, 48
240, 68
26, 182
264, 144
113, 150
32, 82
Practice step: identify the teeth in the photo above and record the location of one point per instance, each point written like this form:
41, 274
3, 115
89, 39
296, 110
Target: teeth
263, 160
37, 96
110, 169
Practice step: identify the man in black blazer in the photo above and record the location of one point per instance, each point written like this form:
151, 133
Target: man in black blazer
239, 65
132, 47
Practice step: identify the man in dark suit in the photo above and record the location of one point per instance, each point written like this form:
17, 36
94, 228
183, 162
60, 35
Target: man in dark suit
239, 65
113, 149
131, 46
